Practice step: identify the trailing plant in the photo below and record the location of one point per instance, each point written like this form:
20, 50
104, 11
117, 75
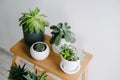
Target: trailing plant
39, 47
33, 21
17, 72
59, 31
69, 53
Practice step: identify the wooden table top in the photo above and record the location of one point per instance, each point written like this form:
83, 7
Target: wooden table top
52, 62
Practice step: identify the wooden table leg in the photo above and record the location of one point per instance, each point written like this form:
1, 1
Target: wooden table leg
36, 68
85, 74
15, 60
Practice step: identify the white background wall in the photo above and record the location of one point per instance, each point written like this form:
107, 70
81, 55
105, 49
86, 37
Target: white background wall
96, 24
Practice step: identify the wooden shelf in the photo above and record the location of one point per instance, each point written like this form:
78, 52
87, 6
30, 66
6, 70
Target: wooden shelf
51, 63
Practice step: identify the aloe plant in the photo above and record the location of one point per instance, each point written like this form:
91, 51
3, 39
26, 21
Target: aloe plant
59, 31
21, 73
17, 72
33, 21
35, 76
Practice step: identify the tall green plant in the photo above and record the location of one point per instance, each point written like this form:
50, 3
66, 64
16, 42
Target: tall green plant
33, 21
59, 31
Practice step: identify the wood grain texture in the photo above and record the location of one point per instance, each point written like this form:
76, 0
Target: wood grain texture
51, 64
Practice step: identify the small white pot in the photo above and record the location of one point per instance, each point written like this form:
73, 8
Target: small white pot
70, 67
39, 55
56, 49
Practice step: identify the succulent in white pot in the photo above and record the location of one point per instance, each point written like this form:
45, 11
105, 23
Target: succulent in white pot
61, 35
71, 57
39, 50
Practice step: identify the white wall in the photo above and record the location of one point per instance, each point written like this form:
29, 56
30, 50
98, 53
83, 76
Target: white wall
95, 23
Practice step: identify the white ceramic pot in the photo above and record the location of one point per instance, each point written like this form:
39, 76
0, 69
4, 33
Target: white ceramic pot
56, 49
39, 55
70, 67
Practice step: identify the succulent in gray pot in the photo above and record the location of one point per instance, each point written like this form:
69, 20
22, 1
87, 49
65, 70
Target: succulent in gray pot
61, 35
33, 24
39, 50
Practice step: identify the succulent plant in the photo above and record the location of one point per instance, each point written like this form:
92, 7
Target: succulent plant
39, 47
69, 53
35, 76
21, 73
17, 72
33, 21
59, 31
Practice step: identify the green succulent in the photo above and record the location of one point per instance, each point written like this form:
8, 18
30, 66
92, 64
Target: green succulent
39, 47
59, 31
35, 76
18, 72
68, 53
21, 73
33, 21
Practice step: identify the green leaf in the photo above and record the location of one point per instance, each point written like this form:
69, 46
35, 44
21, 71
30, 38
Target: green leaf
58, 39
52, 40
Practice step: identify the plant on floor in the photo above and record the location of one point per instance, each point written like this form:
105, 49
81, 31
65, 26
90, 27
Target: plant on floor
35, 76
17, 72
33, 24
21, 73
59, 31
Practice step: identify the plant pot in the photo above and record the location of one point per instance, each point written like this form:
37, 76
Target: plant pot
70, 67
39, 55
31, 38
56, 48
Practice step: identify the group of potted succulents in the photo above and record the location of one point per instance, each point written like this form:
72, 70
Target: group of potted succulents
33, 24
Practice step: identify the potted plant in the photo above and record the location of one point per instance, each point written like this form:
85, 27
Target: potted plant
61, 35
35, 76
39, 50
70, 62
33, 24
17, 72
21, 73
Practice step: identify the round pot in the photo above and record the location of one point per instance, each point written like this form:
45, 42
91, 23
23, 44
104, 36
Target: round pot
56, 48
39, 55
70, 67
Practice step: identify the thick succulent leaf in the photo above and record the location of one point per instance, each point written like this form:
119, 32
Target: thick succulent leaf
58, 39
52, 40
72, 39
53, 27
56, 30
